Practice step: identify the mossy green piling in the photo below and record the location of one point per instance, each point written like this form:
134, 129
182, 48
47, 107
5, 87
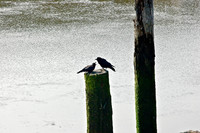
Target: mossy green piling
144, 65
98, 102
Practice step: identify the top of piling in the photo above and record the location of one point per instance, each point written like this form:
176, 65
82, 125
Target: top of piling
98, 72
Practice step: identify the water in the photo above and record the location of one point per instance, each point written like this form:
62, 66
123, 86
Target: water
43, 43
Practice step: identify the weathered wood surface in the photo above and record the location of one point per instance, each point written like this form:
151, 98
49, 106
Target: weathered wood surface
98, 102
144, 62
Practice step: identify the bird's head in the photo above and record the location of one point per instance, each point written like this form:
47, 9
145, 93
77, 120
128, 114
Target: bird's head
98, 58
94, 64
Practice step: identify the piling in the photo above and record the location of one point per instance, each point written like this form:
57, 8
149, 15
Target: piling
144, 65
98, 102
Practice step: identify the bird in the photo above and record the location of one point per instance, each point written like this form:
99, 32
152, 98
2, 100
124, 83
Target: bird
104, 63
88, 68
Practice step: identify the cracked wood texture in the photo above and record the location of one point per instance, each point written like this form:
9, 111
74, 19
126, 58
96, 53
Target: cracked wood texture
144, 62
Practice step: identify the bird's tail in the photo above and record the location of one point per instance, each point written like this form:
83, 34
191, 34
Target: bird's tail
79, 71
112, 68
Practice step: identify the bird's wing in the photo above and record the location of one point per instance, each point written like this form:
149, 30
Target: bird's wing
109, 63
87, 67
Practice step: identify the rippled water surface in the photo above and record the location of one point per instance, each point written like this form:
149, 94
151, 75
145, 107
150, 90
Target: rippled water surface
43, 43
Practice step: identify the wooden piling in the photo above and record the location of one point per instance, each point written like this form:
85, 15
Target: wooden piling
98, 102
144, 62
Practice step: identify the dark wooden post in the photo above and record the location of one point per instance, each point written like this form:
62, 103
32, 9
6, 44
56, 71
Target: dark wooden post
144, 56
98, 102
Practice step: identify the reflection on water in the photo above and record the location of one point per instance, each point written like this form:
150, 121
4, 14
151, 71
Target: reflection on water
177, 12
39, 14
47, 41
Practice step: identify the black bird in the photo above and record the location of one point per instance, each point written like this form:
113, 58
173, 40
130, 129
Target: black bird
104, 63
88, 68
